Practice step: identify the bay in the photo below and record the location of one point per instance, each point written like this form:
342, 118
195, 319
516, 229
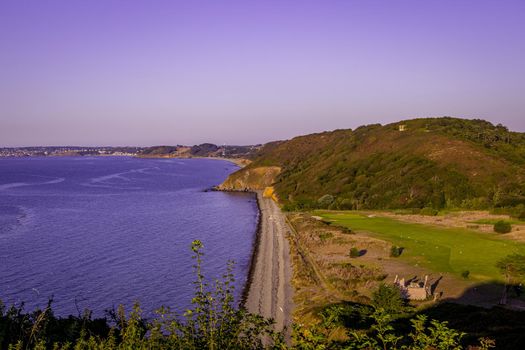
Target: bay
95, 232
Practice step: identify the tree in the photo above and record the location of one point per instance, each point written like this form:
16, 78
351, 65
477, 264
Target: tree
513, 268
502, 227
325, 201
388, 299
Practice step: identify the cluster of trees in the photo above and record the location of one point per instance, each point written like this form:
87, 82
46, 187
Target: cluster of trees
378, 167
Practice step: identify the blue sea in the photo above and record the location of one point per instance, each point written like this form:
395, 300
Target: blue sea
96, 232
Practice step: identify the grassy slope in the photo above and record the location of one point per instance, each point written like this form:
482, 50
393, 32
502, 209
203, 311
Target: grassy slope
440, 249
443, 162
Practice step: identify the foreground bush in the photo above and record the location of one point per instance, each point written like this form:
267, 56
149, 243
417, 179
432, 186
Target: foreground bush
381, 334
213, 322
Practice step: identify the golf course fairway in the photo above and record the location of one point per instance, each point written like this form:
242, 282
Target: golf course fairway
440, 249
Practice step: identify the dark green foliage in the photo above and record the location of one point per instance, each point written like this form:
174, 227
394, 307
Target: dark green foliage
213, 322
442, 326
502, 227
203, 150
389, 299
465, 274
396, 251
346, 230
437, 163
17, 325
374, 328
325, 201
159, 150
428, 211
506, 327
354, 253
424, 335
349, 315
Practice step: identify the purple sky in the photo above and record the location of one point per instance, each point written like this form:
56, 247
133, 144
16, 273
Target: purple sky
109, 72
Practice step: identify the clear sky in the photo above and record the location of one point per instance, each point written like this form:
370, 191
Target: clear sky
148, 72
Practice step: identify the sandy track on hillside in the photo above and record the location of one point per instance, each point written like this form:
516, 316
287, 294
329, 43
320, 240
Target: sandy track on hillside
270, 291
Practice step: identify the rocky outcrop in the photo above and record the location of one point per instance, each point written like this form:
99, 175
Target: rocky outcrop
251, 179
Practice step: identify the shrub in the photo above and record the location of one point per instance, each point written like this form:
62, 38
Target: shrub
465, 274
346, 230
388, 299
354, 253
396, 251
325, 201
428, 211
323, 236
502, 227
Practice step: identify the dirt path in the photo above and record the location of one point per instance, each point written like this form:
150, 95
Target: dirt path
270, 291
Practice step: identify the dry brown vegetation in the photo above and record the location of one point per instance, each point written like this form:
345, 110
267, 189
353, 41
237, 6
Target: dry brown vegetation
324, 272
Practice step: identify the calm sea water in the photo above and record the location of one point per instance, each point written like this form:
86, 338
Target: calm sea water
97, 232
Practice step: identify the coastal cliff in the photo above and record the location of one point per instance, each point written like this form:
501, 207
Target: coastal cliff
251, 179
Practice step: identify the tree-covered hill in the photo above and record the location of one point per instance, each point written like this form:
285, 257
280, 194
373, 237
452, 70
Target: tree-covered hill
433, 162
202, 150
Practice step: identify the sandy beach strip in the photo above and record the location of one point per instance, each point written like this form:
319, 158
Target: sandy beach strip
269, 291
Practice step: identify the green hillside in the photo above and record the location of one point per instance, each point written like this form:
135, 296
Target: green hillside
434, 162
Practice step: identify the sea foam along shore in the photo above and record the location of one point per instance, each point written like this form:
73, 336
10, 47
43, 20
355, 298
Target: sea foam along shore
268, 291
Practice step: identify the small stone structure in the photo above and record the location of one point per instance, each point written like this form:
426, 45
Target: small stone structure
402, 127
413, 290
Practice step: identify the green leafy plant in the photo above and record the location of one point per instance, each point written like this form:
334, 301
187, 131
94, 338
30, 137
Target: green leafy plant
389, 299
354, 252
396, 251
325, 201
502, 227
212, 322
429, 211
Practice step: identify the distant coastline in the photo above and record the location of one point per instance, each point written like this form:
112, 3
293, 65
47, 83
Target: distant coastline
239, 155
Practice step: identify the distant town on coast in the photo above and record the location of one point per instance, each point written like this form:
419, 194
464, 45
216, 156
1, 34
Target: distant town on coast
179, 151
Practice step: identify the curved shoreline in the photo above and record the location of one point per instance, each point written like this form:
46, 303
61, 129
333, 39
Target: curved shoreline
268, 290
254, 254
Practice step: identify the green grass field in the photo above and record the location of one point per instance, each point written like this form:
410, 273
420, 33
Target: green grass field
440, 249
